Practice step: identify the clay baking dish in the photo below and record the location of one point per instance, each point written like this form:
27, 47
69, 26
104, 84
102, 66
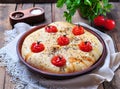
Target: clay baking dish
60, 76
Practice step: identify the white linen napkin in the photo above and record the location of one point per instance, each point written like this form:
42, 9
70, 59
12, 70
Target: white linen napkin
29, 80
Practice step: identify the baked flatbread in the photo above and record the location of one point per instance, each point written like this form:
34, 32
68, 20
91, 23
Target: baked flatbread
76, 59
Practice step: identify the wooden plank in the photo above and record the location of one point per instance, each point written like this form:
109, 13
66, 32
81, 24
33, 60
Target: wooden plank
57, 13
26, 6
23, 6
77, 18
5, 10
2, 77
115, 15
28, 1
8, 82
114, 0
115, 34
101, 86
37, 1
18, 7
48, 15
59, 17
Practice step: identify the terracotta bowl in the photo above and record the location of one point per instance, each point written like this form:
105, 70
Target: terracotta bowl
60, 76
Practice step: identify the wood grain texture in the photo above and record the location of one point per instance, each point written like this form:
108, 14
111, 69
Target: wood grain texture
47, 8
26, 6
115, 35
37, 1
8, 82
28, 1
52, 13
58, 15
5, 10
2, 77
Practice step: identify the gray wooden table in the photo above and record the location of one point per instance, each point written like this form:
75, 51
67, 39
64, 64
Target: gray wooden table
54, 14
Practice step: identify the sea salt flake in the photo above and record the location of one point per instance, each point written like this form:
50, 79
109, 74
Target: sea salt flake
36, 12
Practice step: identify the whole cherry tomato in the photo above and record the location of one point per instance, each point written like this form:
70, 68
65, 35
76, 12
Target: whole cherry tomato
99, 21
109, 24
63, 40
37, 47
51, 29
58, 61
85, 46
78, 30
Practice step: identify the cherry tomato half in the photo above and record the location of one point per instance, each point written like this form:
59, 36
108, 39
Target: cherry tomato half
85, 46
37, 47
78, 30
51, 29
58, 61
63, 40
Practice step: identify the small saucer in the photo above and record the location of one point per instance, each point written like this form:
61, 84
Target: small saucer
30, 16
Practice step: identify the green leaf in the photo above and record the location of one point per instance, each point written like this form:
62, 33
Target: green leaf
87, 2
88, 8
109, 6
77, 2
99, 5
72, 11
105, 2
68, 16
60, 3
68, 4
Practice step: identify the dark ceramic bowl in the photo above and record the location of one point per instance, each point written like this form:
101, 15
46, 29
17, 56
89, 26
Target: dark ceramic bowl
61, 76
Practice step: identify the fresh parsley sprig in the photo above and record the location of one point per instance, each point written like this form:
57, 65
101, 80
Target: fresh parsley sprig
88, 8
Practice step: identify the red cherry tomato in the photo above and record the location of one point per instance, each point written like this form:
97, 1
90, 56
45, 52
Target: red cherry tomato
37, 47
99, 21
63, 40
109, 24
58, 61
51, 29
78, 30
85, 46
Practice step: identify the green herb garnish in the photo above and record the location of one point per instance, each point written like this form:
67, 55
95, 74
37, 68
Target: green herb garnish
88, 8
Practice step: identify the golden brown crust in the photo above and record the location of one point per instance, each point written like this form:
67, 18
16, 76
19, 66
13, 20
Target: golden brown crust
76, 60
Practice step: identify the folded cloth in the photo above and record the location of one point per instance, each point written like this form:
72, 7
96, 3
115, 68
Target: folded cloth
26, 79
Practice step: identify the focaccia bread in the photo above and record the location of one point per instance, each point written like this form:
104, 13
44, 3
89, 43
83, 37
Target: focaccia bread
68, 49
